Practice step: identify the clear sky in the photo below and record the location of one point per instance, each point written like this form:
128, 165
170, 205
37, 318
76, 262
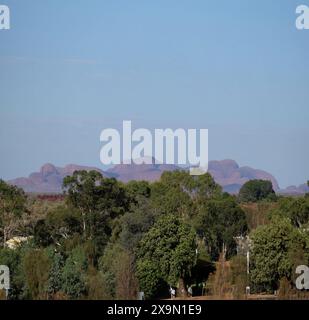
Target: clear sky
69, 69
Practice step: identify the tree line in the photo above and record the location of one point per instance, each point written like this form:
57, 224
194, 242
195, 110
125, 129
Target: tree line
110, 240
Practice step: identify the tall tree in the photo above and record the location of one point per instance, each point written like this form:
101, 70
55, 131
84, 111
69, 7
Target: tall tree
218, 222
36, 267
12, 206
99, 200
166, 253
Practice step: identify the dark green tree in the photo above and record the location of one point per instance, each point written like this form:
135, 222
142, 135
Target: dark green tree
74, 274
12, 206
218, 222
166, 253
59, 224
12, 259
273, 253
55, 273
137, 189
294, 208
100, 200
256, 190
135, 223
179, 193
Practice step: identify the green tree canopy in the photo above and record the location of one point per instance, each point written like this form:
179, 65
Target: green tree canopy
166, 253
12, 206
137, 189
135, 223
256, 190
296, 209
74, 273
218, 221
178, 192
58, 225
274, 250
99, 199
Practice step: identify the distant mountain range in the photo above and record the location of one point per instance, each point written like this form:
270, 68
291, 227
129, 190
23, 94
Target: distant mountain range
49, 178
227, 173
294, 190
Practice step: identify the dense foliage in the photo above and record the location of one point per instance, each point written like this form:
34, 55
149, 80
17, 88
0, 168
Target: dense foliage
167, 253
109, 240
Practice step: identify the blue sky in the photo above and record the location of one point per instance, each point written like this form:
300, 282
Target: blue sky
69, 69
